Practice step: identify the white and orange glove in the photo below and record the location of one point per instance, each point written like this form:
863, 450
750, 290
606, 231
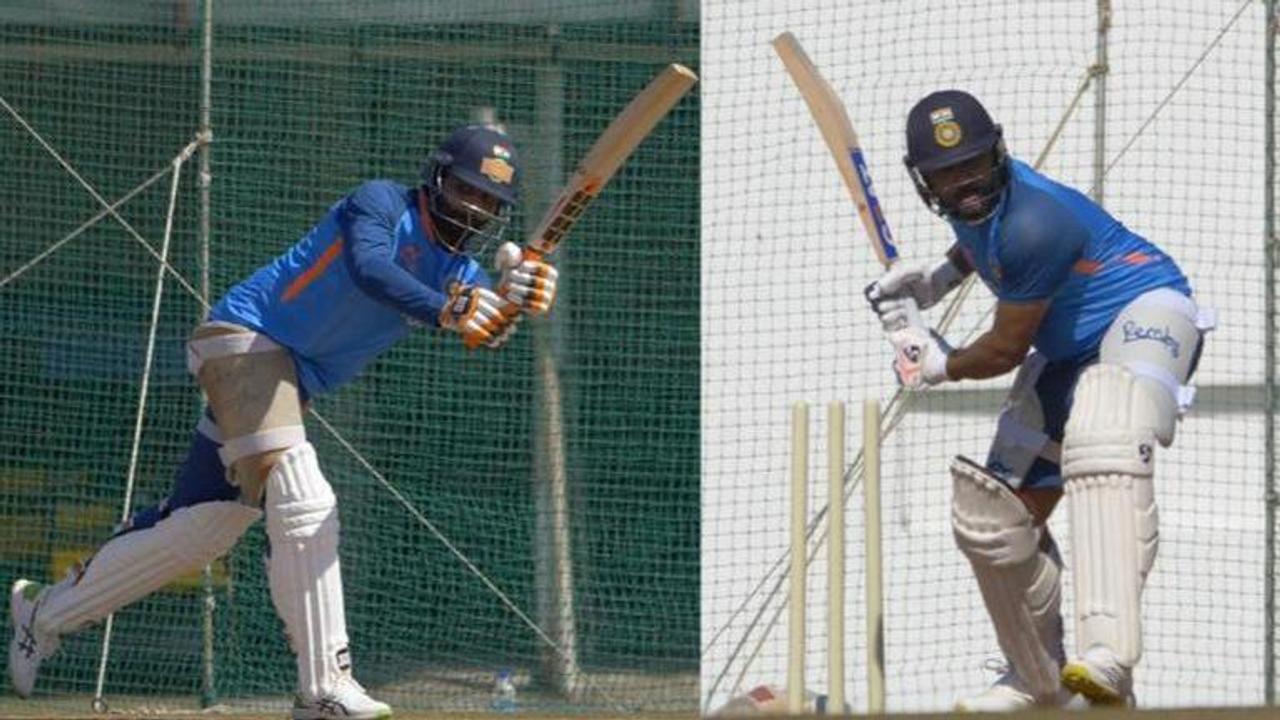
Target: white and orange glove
919, 357
479, 315
527, 283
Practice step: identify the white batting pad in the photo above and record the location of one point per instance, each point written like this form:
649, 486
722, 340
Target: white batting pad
1019, 580
1108, 460
303, 572
135, 564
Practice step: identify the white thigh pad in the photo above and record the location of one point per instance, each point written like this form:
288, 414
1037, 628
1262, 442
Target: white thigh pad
239, 340
1108, 460
1157, 337
135, 564
1019, 580
303, 573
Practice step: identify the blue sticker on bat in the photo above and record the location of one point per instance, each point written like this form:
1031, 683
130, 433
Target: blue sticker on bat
885, 238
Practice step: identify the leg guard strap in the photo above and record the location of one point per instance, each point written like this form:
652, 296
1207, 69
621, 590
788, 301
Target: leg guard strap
277, 438
242, 341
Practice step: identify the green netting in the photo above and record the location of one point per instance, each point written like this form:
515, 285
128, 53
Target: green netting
308, 100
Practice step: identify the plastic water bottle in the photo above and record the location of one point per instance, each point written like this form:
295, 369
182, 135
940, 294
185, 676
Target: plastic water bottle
504, 692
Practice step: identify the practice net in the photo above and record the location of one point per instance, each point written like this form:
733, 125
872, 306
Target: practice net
308, 100
785, 261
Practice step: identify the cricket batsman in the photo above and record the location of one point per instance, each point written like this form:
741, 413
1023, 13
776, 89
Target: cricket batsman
1105, 333
383, 259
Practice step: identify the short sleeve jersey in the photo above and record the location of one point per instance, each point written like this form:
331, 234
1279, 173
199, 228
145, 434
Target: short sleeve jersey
1046, 241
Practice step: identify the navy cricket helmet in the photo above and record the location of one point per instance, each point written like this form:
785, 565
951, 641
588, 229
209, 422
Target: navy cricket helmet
947, 129
472, 180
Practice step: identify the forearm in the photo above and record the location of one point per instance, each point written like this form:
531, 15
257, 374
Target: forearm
947, 274
986, 358
391, 284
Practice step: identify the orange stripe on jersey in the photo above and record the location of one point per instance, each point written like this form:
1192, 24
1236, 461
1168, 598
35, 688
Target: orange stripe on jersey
301, 282
1087, 267
1136, 258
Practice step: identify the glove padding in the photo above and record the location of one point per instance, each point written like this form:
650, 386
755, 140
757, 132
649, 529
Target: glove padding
895, 313
527, 283
479, 315
919, 357
908, 287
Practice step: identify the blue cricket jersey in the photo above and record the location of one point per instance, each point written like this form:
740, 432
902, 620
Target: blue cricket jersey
352, 286
1048, 241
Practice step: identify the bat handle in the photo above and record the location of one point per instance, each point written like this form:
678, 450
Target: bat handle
526, 253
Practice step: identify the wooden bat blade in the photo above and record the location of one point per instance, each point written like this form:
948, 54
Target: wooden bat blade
610, 150
837, 130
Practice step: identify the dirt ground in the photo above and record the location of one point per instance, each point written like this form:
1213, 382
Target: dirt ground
64, 710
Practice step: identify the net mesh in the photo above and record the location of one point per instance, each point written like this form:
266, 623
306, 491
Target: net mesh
308, 100
775, 216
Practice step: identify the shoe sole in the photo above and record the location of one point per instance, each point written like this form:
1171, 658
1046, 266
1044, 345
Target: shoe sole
1078, 679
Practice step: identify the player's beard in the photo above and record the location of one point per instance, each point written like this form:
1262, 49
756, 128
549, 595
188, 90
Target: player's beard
466, 230
972, 199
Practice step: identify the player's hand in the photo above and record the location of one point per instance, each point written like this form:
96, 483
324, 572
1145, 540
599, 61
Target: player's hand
895, 313
505, 332
924, 285
527, 283
894, 299
919, 357
479, 315
904, 279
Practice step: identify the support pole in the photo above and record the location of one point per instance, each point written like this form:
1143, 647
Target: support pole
1100, 71
208, 685
553, 556
1269, 243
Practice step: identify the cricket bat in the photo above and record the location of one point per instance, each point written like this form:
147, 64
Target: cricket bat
837, 130
610, 150
606, 155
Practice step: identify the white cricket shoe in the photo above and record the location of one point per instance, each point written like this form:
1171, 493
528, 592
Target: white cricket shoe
1008, 694
1099, 677
348, 701
29, 646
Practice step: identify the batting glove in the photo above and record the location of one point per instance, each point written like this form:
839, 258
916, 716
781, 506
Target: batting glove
527, 283
919, 357
479, 315
908, 287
